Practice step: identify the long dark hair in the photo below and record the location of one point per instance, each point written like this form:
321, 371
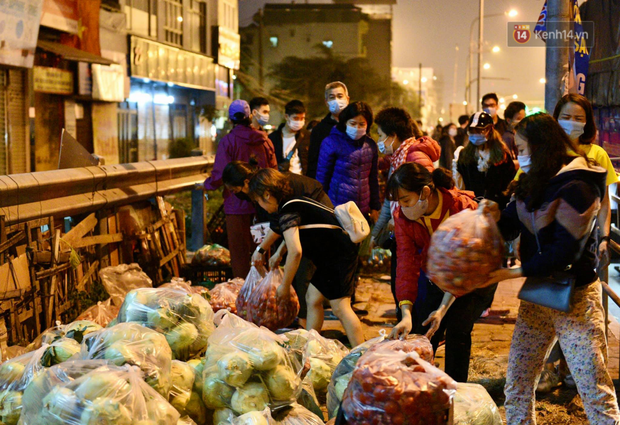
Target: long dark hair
353, 110
397, 121
412, 177
589, 131
272, 181
237, 172
549, 147
499, 151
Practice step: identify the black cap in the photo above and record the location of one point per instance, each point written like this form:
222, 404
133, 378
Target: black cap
480, 120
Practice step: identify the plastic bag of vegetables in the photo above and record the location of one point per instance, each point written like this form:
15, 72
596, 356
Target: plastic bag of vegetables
474, 406
418, 343
395, 387
186, 320
133, 344
253, 278
101, 313
108, 395
264, 307
15, 375
224, 296
119, 280
183, 397
464, 250
247, 368
342, 375
74, 330
212, 255
295, 415
254, 418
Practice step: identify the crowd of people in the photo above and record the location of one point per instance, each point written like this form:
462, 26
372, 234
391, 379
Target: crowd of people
542, 176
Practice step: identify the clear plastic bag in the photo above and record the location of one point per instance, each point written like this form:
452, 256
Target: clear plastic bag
474, 406
254, 418
224, 296
264, 307
74, 330
119, 280
418, 343
342, 375
133, 344
464, 250
101, 313
107, 395
15, 375
247, 368
295, 415
212, 255
186, 320
253, 278
389, 387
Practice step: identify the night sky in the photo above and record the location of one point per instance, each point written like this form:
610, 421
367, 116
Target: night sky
427, 31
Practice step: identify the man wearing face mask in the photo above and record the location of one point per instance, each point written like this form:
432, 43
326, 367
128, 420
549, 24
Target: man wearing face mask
336, 99
490, 105
290, 140
514, 113
259, 107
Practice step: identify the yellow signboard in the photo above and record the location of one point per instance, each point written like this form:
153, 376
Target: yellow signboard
53, 80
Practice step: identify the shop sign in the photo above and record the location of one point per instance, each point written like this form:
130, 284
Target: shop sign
108, 83
105, 131
61, 15
19, 26
53, 80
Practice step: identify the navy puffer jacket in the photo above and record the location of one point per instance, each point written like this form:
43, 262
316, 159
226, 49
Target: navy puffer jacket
347, 169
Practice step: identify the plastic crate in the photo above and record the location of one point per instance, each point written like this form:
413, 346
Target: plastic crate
199, 275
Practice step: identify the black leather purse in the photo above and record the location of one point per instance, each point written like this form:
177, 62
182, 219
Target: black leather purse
555, 291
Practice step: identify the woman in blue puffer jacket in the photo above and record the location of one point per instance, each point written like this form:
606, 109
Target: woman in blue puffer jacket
347, 166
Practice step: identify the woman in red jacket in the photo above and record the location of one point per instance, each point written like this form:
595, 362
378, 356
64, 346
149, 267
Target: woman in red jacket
425, 201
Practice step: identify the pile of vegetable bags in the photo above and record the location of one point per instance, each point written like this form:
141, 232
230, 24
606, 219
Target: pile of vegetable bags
323, 354
396, 387
186, 390
224, 295
133, 344
186, 320
247, 369
212, 255
464, 250
86, 393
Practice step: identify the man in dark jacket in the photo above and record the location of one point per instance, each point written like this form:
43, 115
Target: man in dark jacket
291, 141
490, 105
461, 131
336, 99
259, 110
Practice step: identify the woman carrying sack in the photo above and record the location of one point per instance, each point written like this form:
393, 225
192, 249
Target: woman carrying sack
311, 229
556, 201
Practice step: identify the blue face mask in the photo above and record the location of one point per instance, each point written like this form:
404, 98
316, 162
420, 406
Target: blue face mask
356, 133
477, 139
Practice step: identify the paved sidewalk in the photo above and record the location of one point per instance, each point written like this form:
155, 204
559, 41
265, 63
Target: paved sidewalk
491, 344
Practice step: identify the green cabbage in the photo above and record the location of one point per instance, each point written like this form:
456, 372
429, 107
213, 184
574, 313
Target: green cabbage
223, 416
235, 368
282, 383
76, 330
252, 397
195, 408
251, 418
320, 374
342, 382
10, 406
11, 371
181, 338
106, 411
119, 353
60, 351
182, 376
216, 394
102, 385
162, 319
264, 355
61, 405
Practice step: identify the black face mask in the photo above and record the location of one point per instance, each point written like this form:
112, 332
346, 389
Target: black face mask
243, 196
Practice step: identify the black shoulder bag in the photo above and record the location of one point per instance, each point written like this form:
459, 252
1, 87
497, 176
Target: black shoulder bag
285, 165
555, 291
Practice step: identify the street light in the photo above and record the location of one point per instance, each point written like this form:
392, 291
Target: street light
486, 66
514, 96
496, 49
542, 81
511, 13
405, 82
424, 79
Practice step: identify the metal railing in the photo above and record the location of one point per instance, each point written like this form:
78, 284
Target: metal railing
63, 193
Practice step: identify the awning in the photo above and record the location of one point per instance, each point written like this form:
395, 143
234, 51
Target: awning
71, 53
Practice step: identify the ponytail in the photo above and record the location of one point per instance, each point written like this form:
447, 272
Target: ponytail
412, 177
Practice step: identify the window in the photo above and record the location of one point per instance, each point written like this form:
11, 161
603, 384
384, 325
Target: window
273, 41
173, 21
328, 43
198, 26
142, 17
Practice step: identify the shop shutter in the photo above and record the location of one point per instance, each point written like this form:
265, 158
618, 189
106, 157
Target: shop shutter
18, 122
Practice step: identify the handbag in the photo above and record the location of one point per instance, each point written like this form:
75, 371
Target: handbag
555, 291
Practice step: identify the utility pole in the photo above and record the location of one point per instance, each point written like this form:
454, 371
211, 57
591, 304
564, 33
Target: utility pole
260, 49
480, 33
420, 91
556, 61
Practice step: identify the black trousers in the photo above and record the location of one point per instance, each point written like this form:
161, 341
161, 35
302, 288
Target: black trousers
393, 265
456, 325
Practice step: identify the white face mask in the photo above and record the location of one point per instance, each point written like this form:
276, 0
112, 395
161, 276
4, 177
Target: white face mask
356, 133
574, 129
490, 111
337, 105
385, 148
452, 132
262, 119
525, 162
415, 212
296, 125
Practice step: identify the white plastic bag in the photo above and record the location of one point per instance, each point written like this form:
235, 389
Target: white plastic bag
119, 280
474, 406
253, 278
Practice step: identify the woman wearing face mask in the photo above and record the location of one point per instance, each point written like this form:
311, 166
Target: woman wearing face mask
556, 202
425, 201
400, 140
485, 164
347, 166
448, 145
310, 229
